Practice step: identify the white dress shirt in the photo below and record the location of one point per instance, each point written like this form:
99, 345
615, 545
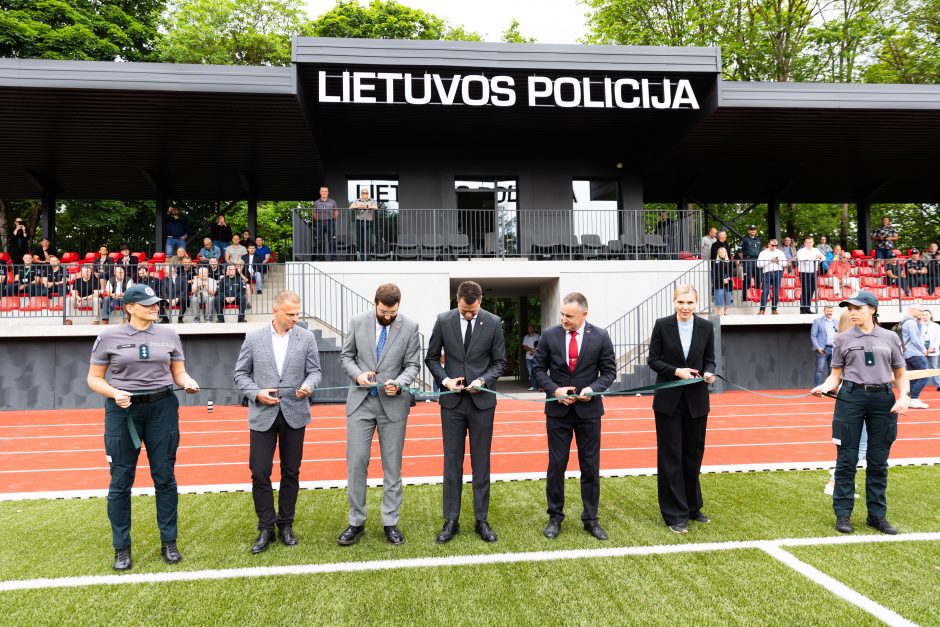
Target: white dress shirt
772, 260
808, 259
279, 343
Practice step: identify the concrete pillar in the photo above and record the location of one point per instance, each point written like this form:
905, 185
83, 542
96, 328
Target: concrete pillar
48, 215
863, 210
253, 215
159, 222
773, 220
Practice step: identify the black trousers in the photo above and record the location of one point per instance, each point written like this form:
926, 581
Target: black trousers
456, 423
587, 433
807, 291
680, 445
290, 443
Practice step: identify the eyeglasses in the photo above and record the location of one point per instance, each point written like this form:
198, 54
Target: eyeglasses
772, 245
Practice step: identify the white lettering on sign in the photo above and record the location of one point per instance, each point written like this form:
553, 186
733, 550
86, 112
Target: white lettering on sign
478, 90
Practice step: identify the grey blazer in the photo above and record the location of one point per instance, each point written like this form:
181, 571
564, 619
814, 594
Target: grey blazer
401, 359
256, 369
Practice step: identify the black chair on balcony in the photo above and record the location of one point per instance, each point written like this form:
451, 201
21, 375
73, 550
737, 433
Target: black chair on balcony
345, 249
655, 245
407, 248
615, 249
591, 246
634, 245
543, 247
568, 247
383, 250
432, 247
458, 245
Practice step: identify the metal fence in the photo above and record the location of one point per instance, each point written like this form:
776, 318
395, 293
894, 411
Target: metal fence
451, 234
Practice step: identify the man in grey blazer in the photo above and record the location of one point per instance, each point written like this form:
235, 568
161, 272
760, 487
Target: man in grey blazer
472, 339
381, 353
277, 370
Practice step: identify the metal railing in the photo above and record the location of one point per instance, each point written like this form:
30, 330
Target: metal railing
451, 234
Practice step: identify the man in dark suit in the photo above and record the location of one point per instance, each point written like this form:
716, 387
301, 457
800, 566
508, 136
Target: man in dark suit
473, 340
682, 346
574, 358
254, 267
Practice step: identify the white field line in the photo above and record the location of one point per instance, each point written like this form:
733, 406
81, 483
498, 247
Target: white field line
836, 587
438, 562
376, 482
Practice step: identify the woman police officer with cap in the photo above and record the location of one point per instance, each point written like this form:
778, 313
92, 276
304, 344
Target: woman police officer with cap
865, 359
145, 360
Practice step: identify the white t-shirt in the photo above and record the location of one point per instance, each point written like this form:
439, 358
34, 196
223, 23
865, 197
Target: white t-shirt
808, 259
531, 341
771, 260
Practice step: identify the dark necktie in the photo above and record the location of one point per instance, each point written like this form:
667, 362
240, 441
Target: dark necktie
466, 336
573, 351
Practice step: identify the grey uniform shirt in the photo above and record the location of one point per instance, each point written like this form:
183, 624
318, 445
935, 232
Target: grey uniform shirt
324, 208
138, 360
848, 353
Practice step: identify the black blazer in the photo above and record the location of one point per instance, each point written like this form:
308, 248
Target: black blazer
596, 369
485, 358
665, 357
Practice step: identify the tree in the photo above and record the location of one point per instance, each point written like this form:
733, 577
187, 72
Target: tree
909, 50
512, 35
90, 30
231, 32
384, 19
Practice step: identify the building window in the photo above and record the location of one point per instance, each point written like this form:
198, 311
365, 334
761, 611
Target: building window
595, 203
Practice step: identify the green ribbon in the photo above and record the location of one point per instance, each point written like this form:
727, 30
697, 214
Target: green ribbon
135, 437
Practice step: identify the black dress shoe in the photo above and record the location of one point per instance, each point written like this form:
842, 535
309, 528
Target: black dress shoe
122, 559
552, 529
450, 529
264, 540
170, 553
394, 535
881, 524
595, 530
679, 527
699, 517
286, 534
485, 532
351, 535
844, 524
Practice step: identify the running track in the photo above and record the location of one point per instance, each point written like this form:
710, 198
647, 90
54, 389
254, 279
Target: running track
64, 450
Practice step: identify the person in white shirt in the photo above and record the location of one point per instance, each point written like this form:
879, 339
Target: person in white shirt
808, 259
771, 263
931, 331
529, 343
707, 241
203, 294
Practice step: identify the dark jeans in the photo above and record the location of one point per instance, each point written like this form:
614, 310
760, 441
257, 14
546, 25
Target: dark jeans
588, 438
871, 409
157, 424
326, 240
528, 365
364, 238
807, 291
456, 424
918, 362
822, 365
772, 284
751, 271
290, 443
220, 306
680, 446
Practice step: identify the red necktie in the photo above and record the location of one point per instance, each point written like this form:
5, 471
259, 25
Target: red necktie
573, 351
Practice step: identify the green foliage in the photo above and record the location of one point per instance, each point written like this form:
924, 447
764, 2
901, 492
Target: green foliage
383, 19
231, 32
512, 35
100, 30
909, 44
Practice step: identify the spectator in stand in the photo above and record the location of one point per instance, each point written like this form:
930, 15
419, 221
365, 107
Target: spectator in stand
44, 252
209, 250
530, 342
187, 270
146, 279
176, 231
808, 259
822, 335
221, 234
127, 261
884, 238
722, 275
19, 241
931, 251
720, 242
85, 291
203, 295
827, 252
215, 269
246, 237
789, 250
915, 271
365, 215
264, 251
53, 278
254, 267
771, 263
177, 259
175, 290
114, 293
707, 241
6, 285
666, 229
230, 291
749, 249
915, 353
893, 272
326, 212
839, 274
933, 274
102, 267
932, 344
235, 251
27, 278
246, 280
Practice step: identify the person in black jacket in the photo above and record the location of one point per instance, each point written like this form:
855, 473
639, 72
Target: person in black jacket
574, 358
722, 281
682, 346
221, 233
231, 291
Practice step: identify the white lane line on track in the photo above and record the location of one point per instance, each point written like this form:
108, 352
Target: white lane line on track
450, 561
836, 587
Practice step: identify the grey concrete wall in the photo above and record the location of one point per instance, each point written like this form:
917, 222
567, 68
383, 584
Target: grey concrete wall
768, 357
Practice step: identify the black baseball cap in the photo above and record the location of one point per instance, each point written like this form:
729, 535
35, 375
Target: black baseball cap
141, 294
862, 297
753, 226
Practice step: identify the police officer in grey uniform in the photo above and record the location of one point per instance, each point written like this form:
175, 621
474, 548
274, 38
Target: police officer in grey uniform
866, 359
144, 360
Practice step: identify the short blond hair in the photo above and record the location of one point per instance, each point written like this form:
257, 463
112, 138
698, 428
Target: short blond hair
286, 295
684, 288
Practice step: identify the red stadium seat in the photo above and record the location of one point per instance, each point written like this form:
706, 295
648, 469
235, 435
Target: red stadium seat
141, 257
683, 254
736, 283
865, 271
859, 254
57, 305
115, 256
36, 303
9, 303
69, 257
91, 257
753, 294
5, 257
158, 258
869, 282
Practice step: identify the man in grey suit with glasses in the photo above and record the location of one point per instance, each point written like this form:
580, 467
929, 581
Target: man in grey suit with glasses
278, 368
381, 354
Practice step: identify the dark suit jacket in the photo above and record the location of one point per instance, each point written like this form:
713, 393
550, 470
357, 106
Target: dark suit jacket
596, 369
258, 262
485, 358
665, 357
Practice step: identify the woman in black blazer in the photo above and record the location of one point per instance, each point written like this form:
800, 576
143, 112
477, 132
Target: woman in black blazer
681, 412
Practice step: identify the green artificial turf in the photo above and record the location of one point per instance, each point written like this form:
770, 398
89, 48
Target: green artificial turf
904, 577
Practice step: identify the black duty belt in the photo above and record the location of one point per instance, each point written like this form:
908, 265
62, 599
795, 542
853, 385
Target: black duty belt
150, 397
869, 387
